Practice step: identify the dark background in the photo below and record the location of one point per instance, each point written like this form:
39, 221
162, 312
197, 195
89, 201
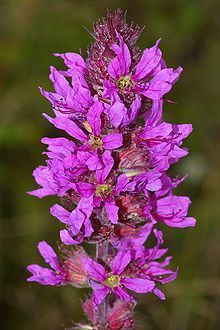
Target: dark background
30, 31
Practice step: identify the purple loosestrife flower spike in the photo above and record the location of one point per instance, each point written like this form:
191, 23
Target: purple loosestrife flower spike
109, 172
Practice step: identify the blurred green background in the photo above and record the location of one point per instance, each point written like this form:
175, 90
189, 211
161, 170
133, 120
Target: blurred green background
30, 31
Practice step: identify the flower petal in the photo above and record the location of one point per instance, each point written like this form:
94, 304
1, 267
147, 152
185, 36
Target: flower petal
159, 293
68, 126
121, 183
94, 269
43, 276
116, 113
112, 211
120, 65
93, 117
120, 262
68, 240
99, 295
112, 141
139, 285
156, 90
149, 60
61, 85
60, 213
108, 163
153, 116
122, 294
80, 214
73, 61
49, 255
94, 163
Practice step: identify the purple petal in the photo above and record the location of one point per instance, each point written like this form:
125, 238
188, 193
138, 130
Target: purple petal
122, 294
169, 75
182, 131
161, 130
149, 60
43, 276
94, 163
61, 85
112, 211
120, 262
132, 112
77, 219
116, 113
153, 116
55, 99
94, 269
112, 141
73, 61
100, 294
67, 239
139, 285
170, 278
80, 214
159, 293
161, 83
60, 213
49, 255
43, 177
181, 222
41, 192
88, 230
154, 185
108, 163
156, 90
120, 65
68, 126
64, 145
85, 189
122, 181
93, 117
170, 205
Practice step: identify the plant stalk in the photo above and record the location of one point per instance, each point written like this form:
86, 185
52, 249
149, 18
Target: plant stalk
102, 311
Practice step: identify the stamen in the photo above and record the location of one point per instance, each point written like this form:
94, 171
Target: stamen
125, 83
103, 190
95, 142
112, 281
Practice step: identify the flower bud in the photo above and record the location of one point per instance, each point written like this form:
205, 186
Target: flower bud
73, 267
133, 161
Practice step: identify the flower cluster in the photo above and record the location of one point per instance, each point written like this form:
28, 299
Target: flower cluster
110, 172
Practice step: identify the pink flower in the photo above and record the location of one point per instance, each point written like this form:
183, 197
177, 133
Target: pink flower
104, 283
149, 78
69, 271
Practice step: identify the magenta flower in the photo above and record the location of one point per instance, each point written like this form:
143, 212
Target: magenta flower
172, 210
78, 221
91, 137
104, 283
165, 140
121, 115
144, 260
63, 167
68, 100
70, 271
148, 267
149, 78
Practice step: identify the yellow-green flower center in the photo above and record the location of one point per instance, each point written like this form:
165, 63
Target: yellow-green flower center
103, 190
95, 142
124, 83
112, 281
